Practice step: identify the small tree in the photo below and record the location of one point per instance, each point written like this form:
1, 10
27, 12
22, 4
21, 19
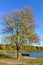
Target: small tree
22, 26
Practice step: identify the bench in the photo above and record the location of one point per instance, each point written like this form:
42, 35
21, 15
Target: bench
25, 54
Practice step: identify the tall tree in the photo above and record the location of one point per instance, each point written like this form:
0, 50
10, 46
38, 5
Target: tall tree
22, 26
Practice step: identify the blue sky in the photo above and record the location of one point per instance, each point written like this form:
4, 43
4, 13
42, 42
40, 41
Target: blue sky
7, 6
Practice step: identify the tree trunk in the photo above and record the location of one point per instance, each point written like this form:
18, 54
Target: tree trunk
17, 52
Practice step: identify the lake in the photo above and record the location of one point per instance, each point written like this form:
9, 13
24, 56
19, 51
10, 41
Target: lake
32, 54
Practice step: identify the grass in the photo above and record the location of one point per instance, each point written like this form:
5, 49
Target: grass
38, 60
22, 61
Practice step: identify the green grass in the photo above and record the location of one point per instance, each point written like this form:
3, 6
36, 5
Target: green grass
37, 60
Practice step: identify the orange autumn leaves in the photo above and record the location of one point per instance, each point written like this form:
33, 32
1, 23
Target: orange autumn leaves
33, 37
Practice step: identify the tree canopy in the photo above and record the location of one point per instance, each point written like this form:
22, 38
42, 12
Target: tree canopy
21, 24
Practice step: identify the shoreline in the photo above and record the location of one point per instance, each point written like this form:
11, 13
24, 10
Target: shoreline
29, 57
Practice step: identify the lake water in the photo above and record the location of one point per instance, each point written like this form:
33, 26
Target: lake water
32, 54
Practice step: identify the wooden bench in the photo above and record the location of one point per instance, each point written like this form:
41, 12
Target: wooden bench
25, 54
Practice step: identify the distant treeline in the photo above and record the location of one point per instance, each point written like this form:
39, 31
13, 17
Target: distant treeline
32, 48
21, 48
